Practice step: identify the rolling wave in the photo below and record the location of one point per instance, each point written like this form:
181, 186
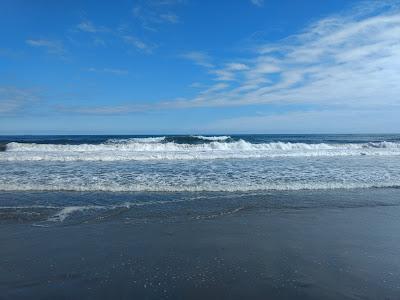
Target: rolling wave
158, 148
212, 138
292, 186
157, 139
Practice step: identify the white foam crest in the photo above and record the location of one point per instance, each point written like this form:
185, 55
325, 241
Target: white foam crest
172, 151
207, 187
157, 139
212, 138
67, 211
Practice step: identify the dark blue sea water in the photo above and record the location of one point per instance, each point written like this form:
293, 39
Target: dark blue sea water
190, 139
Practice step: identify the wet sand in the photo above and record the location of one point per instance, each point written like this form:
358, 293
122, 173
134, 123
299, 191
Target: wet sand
251, 252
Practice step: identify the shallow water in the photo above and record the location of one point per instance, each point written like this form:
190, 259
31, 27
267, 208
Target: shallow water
68, 208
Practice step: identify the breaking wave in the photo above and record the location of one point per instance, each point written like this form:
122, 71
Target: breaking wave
160, 148
212, 138
292, 186
157, 139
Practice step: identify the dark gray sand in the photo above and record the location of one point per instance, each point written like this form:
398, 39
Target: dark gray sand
253, 251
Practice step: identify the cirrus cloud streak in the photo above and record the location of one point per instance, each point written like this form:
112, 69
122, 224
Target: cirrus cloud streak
351, 59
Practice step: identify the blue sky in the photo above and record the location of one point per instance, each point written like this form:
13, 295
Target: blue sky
191, 66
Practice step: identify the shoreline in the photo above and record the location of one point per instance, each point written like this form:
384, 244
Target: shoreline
318, 245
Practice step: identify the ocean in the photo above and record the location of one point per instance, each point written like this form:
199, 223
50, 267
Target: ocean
200, 216
198, 163
190, 165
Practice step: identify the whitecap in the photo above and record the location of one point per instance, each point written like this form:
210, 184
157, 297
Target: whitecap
134, 150
212, 138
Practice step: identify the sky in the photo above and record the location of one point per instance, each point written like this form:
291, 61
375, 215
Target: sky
199, 66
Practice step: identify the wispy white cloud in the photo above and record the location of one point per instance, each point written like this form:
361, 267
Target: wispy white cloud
347, 62
229, 72
13, 100
199, 58
139, 44
98, 110
215, 88
52, 46
152, 14
170, 17
223, 75
196, 85
258, 3
236, 67
108, 70
105, 36
337, 60
88, 26
315, 121
99, 35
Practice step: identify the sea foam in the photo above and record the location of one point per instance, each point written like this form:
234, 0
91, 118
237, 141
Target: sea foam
208, 187
212, 138
158, 149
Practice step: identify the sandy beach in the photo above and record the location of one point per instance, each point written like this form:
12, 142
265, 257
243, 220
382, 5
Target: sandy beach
303, 245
